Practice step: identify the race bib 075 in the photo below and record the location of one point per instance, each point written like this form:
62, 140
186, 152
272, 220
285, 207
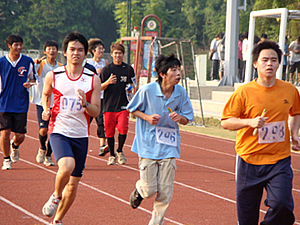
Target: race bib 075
70, 104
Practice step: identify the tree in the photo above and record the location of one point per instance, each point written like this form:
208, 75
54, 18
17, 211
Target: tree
272, 26
40, 20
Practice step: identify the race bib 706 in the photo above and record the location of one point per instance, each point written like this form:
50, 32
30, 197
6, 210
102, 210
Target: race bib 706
166, 136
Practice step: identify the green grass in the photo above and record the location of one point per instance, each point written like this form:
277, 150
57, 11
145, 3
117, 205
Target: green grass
212, 127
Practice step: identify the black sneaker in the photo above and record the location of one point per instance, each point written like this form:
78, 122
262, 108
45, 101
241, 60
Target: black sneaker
104, 149
135, 199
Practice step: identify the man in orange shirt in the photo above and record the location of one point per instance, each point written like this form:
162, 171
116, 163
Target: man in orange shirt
260, 110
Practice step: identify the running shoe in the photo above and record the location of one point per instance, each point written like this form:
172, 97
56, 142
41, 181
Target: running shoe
40, 157
57, 222
103, 150
51, 205
6, 164
14, 153
48, 161
135, 199
111, 160
121, 158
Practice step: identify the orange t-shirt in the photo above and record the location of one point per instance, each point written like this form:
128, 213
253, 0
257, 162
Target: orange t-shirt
272, 143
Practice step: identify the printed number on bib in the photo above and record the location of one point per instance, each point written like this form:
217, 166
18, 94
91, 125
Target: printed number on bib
272, 133
70, 104
166, 136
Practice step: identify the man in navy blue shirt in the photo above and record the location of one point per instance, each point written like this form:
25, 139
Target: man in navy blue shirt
17, 73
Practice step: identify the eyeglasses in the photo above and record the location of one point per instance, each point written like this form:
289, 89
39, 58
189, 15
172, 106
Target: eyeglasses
101, 49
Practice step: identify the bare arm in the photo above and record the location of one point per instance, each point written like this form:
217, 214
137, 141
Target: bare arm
111, 80
234, 123
46, 95
92, 108
178, 118
295, 124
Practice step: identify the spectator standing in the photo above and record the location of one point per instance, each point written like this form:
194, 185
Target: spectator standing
215, 62
285, 55
221, 54
244, 54
295, 61
17, 73
115, 76
240, 58
43, 66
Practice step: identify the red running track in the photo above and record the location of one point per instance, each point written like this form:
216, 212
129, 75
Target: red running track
204, 191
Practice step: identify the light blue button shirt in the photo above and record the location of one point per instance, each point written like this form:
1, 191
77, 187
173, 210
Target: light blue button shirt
150, 100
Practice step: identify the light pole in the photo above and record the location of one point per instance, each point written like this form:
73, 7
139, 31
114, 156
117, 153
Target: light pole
128, 29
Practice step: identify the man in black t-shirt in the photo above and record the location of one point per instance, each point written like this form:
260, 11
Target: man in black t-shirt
114, 78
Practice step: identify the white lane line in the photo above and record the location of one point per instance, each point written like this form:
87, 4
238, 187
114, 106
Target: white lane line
23, 210
208, 167
91, 187
184, 161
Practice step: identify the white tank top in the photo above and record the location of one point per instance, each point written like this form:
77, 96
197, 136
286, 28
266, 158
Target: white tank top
68, 116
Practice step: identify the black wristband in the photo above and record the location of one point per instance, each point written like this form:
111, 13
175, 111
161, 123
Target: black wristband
86, 105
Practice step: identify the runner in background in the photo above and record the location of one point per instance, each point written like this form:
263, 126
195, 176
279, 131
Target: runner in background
76, 97
96, 49
43, 66
17, 74
260, 111
115, 77
159, 107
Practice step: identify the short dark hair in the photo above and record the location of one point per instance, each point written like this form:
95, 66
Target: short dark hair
220, 35
75, 36
241, 37
93, 43
164, 63
50, 43
264, 36
298, 38
117, 46
256, 39
266, 45
13, 38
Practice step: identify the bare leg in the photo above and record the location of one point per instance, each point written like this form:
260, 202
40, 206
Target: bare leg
18, 139
68, 198
102, 141
5, 142
66, 166
220, 75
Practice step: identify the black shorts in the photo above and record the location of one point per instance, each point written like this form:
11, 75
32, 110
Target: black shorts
16, 122
292, 67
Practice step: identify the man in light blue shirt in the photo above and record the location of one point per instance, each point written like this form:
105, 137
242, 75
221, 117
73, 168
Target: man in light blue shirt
159, 107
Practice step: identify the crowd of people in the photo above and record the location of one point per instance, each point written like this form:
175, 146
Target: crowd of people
68, 97
291, 57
